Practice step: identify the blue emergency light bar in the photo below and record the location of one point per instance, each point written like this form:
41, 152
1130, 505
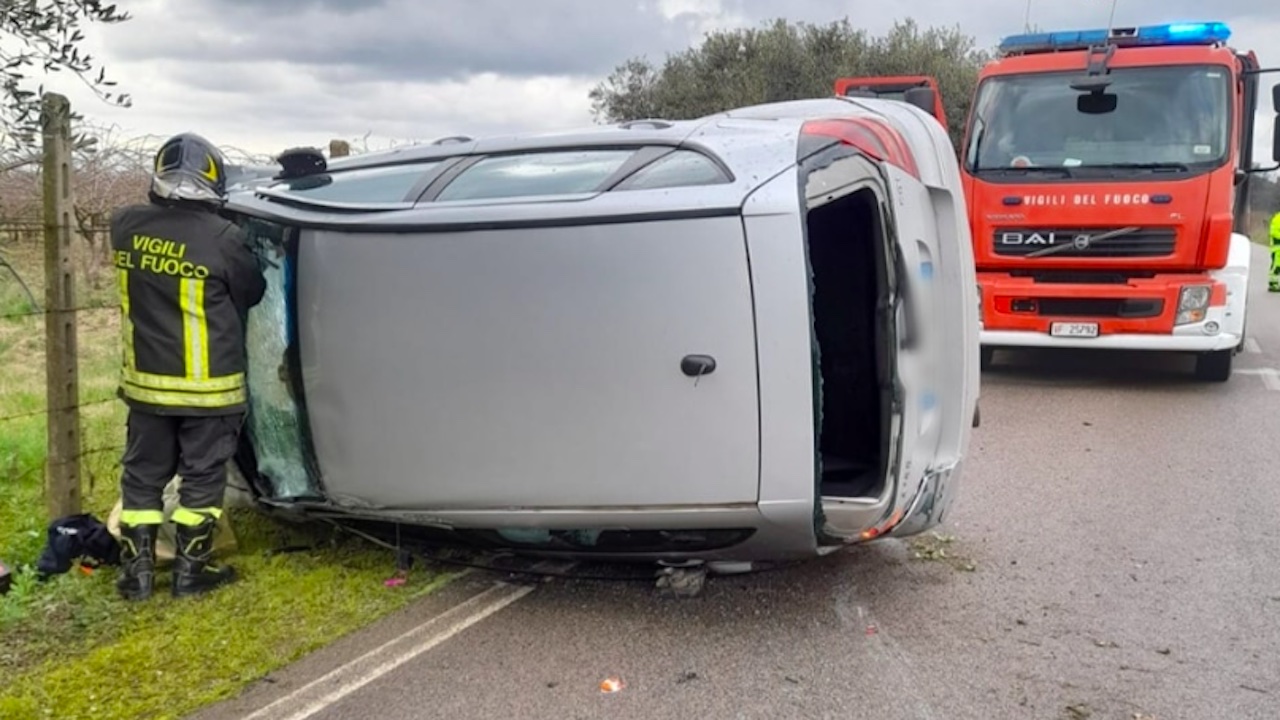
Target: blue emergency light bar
1205, 33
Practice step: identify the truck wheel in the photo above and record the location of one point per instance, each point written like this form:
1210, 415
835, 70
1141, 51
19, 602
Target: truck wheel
986, 357
1214, 366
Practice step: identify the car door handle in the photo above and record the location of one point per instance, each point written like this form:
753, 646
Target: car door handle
697, 365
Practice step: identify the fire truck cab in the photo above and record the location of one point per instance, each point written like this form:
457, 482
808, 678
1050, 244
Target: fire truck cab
1107, 177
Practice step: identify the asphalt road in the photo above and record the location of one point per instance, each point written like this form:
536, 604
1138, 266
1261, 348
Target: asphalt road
1116, 554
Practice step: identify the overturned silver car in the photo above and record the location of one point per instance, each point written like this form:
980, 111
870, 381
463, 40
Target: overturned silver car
747, 337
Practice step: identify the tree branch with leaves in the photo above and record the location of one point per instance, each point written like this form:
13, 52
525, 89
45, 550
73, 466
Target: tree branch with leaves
46, 35
781, 61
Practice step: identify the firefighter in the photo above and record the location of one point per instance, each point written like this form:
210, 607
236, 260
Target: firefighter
187, 280
1274, 284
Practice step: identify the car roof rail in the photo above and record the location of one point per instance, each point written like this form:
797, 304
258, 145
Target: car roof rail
657, 123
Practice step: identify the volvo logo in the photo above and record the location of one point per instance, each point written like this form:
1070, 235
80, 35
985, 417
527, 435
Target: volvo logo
1081, 241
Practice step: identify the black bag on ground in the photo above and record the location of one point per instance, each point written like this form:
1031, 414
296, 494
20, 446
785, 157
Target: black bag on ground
77, 537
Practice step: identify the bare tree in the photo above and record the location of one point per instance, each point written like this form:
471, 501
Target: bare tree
111, 169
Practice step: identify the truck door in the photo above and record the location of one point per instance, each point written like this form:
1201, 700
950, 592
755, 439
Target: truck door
919, 90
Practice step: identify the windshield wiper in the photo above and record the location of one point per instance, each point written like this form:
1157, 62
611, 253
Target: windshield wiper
1082, 242
1175, 166
1052, 169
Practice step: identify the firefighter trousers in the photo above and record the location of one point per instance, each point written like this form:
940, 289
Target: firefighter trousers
161, 446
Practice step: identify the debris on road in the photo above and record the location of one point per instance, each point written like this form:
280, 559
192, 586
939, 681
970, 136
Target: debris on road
612, 685
1079, 711
933, 547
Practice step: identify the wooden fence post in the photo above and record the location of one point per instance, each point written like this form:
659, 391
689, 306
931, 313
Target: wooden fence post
62, 468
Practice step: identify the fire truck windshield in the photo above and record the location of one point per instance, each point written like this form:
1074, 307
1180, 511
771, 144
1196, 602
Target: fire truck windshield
1171, 118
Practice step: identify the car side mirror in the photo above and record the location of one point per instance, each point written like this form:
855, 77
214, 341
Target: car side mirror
922, 97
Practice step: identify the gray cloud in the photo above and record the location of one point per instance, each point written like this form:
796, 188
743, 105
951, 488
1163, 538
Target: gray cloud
257, 69
408, 39
989, 20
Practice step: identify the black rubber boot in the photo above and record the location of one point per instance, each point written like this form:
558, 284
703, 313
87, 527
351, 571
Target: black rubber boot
137, 561
193, 569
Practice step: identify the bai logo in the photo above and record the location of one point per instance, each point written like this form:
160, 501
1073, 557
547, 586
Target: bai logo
1033, 238
1080, 241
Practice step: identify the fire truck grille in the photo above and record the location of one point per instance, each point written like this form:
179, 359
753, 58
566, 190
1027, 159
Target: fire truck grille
1079, 243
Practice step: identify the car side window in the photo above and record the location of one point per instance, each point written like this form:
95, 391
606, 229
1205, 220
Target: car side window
539, 173
682, 168
387, 184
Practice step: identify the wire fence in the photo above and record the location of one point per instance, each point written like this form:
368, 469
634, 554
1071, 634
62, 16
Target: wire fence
25, 413
42, 313
45, 410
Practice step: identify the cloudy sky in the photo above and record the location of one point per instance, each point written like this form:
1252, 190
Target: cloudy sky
263, 75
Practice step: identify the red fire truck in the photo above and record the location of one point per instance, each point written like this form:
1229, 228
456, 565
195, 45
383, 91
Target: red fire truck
1107, 176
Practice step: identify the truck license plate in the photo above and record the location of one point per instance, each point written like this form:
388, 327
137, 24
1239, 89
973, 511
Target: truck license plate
1069, 329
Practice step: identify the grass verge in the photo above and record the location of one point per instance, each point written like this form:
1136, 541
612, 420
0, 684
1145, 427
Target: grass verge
73, 650
69, 648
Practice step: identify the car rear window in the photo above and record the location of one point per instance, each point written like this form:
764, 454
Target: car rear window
387, 184
540, 173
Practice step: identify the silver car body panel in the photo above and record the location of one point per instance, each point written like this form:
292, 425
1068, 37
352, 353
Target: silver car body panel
511, 364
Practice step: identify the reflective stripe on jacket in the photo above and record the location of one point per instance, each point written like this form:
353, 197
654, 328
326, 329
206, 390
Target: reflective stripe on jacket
187, 280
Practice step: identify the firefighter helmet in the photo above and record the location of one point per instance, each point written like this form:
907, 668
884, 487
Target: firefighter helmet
188, 167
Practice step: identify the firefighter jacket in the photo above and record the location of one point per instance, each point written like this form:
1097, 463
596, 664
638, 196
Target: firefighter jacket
187, 280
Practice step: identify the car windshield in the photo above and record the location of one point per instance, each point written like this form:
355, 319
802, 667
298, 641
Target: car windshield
1151, 117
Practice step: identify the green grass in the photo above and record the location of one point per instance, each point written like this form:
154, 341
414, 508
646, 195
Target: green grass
99, 657
69, 648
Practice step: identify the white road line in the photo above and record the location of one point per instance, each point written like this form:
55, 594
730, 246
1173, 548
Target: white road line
1270, 376
354, 675
1251, 346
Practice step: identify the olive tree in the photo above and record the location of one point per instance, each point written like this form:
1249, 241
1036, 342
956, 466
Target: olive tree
780, 61
46, 36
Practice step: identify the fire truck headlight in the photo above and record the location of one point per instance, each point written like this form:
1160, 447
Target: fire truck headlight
1194, 297
1193, 301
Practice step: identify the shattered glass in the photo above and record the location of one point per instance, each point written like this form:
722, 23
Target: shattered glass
276, 425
